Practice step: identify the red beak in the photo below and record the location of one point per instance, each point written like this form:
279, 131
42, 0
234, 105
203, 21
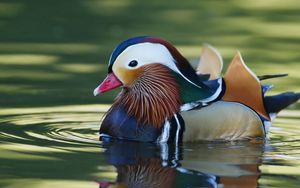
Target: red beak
109, 83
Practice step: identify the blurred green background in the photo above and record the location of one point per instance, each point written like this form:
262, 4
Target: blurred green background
55, 52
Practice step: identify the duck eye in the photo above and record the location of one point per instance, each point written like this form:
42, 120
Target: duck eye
133, 63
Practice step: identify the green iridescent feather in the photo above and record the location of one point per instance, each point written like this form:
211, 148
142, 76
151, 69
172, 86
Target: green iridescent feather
191, 93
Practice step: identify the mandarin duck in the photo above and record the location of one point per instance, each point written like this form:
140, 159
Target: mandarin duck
163, 99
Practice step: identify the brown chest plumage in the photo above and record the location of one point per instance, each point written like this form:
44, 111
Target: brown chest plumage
153, 97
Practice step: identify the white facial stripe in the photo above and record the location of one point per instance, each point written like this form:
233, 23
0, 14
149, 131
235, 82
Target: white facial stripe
145, 54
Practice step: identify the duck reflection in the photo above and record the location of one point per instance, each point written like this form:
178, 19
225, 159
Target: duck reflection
146, 165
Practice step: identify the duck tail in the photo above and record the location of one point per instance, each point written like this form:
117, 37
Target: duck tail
276, 103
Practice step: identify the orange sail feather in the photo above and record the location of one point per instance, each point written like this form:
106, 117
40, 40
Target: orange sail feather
243, 86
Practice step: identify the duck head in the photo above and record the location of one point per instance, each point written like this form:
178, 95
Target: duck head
155, 77
129, 59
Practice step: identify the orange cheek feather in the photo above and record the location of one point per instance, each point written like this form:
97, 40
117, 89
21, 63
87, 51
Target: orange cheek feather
129, 76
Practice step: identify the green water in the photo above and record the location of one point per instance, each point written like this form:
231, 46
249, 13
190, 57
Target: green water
54, 53
58, 146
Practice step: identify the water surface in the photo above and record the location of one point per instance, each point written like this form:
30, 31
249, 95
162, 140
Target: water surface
58, 146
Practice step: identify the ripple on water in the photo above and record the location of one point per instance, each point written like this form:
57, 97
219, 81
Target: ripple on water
68, 137
65, 125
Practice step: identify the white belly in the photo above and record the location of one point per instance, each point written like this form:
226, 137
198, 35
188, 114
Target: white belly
222, 121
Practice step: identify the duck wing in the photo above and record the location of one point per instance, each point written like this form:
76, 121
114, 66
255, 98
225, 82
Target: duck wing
243, 86
210, 64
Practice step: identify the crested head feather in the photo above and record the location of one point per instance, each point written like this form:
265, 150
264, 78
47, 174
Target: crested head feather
180, 61
153, 97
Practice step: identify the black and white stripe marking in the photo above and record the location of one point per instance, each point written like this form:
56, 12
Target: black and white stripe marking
172, 130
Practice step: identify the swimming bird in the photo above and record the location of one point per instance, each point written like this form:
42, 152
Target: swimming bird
163, 99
